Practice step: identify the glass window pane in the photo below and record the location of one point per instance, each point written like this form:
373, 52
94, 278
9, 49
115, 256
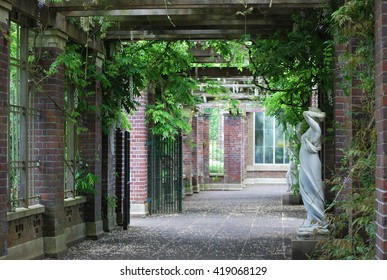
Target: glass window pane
268, 122
279, 155
258, 154
259, 137
268, 138
258, 120
269, 155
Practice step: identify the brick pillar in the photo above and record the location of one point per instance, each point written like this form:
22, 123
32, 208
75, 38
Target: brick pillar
341, 108
194, 159
187, 164
233, 149
139, 158
90, 150
199, 150
50, 127
108, 180
120, 175
4, 90
381, 126
206, 148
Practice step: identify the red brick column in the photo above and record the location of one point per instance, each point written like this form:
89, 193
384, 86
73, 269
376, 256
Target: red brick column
381, 126
194, 137
199, 151
206, 148
139, 158
50, 127
187, 164
4, 90
341, 109
90, 150
233, 149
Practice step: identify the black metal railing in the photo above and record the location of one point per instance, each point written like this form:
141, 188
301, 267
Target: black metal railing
165, 175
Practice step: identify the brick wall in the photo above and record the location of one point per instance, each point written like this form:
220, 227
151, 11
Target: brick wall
4, 64
139, 156
187, 164
206, 148
381, 126
49, 131
341, 107
194, 157
199, 149
233, 149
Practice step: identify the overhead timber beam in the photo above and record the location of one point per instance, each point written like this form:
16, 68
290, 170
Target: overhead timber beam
51, 19
82, 5
189, 34
216, 72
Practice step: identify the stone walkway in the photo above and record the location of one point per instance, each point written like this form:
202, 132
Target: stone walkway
248, 224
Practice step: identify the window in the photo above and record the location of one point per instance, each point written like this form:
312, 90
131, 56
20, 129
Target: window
22, 163
269, 141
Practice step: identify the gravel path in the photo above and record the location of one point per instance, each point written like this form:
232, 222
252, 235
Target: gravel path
248, 224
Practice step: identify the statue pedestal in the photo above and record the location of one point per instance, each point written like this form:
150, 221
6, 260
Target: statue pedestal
289, 198
304, 246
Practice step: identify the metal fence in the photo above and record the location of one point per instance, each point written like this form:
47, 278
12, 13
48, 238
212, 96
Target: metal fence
165, 175
216, 155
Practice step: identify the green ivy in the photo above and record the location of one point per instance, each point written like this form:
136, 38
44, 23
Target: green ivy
353, 224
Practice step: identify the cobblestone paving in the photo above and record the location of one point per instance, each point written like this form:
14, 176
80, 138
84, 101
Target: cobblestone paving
248, 224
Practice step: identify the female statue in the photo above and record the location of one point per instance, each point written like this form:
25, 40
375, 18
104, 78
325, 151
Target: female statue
311, 186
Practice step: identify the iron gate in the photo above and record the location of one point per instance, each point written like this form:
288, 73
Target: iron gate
126, 216
165, 175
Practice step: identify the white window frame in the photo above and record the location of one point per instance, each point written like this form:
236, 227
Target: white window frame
264, 146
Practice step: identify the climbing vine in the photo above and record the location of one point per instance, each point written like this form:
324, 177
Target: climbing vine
163, 67
353, 223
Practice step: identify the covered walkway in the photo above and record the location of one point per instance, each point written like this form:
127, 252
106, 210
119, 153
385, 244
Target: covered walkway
248, 224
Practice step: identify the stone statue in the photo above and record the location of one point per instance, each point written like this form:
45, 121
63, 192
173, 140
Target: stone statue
311, 186
291, 174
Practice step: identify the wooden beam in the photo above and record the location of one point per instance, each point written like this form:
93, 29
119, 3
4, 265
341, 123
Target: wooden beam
190, 34
189, 22
225, 11
216, 72
82, 5
51, 19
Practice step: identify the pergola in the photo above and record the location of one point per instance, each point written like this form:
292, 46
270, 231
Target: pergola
174, 19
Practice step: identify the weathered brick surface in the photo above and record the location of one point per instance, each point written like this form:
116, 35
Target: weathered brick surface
187, 164
381, 126
233, 149
4, 89
194, 157
49, 131
200, 150
139, 154
206, 148
341, 109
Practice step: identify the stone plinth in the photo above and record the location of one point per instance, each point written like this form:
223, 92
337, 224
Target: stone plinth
290, 198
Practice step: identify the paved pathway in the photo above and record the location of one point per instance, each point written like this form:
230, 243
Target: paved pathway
248, 224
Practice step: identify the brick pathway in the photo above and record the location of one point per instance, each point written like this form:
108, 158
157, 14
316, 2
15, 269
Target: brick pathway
248, 224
